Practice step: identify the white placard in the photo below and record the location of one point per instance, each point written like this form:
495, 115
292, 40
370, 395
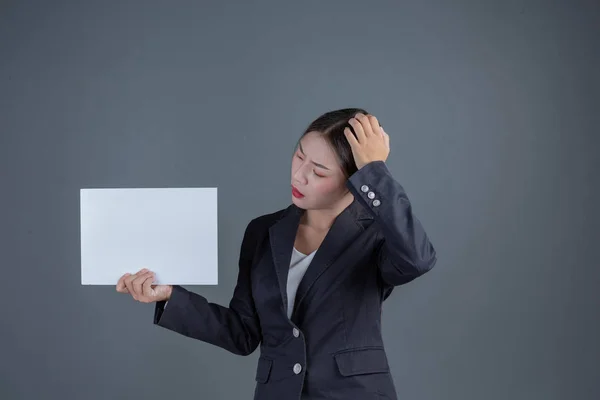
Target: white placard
171, 231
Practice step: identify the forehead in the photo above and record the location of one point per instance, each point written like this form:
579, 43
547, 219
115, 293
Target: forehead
316, 147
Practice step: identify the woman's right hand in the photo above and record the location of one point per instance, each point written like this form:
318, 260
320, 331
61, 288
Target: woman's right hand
140, 286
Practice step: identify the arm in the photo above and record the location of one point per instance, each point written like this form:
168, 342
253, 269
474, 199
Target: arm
404, 252
236, 328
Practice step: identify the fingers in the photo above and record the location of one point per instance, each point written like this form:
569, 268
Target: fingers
371, 142
375, 125
132, 285
138, 286
365, 126
386, 138
128, 285
121, 284
358, 129
351, 138
147, 290
369, 124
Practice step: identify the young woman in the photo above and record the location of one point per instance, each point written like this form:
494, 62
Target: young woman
313, 276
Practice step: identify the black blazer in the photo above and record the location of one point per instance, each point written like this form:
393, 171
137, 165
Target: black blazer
331, 347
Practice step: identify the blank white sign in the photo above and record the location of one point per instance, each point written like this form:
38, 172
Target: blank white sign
171, 231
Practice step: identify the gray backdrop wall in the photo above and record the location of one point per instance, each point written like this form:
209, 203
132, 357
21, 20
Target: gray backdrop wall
492, 108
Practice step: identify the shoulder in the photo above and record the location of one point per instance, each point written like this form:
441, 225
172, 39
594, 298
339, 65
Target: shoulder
257, 229
262, 223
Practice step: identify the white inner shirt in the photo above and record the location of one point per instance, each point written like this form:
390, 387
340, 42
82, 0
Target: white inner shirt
298, 265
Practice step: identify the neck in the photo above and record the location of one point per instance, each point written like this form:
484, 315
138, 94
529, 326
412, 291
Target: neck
322, 219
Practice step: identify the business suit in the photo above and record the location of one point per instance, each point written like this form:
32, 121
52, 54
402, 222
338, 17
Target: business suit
331, 347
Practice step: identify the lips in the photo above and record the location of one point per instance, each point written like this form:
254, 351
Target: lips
296, 193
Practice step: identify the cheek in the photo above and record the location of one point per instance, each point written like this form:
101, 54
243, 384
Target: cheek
326, 187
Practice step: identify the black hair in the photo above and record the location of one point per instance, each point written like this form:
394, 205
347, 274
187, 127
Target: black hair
331, 125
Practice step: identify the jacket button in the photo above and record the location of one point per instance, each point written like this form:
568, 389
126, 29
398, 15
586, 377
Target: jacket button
376, 203
364, 188
371, 195
296, 332
297, 369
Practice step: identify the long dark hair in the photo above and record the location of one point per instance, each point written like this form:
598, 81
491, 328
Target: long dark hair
331, 125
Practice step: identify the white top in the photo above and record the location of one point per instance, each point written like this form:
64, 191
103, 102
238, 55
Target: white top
298, 265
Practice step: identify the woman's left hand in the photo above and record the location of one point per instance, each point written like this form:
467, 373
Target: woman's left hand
371, 142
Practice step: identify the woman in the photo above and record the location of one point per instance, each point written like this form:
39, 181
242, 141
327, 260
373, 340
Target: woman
313, 276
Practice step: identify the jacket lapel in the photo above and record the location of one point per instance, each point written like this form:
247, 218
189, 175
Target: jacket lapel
342, 233
282, 236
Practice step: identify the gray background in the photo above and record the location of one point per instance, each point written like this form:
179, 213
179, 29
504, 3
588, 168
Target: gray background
493, 112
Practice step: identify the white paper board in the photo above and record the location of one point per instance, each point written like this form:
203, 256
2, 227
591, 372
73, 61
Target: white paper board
171, 231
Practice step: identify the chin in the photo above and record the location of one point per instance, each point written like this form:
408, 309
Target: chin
299, 203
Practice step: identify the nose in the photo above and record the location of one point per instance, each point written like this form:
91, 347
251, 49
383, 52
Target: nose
299, 175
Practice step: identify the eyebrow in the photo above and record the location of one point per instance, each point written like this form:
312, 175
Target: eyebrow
317, 164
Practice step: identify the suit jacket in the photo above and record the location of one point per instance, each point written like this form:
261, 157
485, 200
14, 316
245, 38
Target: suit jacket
331, 347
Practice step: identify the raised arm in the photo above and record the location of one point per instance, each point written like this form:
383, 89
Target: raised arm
405, 251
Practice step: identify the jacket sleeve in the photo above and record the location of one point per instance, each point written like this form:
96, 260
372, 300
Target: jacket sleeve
404, 251
235, 328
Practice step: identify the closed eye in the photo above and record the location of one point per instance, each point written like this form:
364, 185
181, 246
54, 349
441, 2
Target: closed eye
298, 155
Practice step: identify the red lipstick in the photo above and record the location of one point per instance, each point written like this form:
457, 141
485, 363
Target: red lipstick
296, 193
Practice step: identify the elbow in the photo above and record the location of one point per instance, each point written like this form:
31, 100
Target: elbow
246, 343
244, 351
423, 257
404, 270
426, 262
421, 266
248, 349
